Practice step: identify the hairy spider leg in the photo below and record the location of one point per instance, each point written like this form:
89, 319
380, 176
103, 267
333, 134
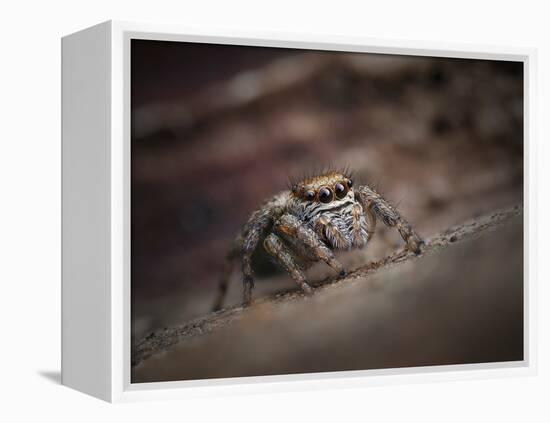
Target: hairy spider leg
276, 248
289, 225
256, 226
370, 199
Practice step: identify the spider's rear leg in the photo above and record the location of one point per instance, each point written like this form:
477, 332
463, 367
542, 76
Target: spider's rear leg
275, 246
258, 222
224, 281
291, 227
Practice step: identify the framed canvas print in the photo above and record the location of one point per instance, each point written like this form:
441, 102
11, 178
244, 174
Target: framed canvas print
259, 212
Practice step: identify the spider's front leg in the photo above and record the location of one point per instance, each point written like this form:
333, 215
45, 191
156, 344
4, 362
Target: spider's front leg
282, 254
305, 238
370, 199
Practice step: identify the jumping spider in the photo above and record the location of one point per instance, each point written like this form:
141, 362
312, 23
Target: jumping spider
306, 223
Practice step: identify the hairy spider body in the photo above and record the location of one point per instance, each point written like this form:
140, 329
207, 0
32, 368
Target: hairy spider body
307, 223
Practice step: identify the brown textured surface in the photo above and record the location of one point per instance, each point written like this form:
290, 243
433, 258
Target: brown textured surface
368, 319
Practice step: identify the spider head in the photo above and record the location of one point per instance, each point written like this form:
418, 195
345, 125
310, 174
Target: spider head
331, 188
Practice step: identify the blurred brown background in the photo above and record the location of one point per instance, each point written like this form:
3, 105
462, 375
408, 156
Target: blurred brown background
217, 129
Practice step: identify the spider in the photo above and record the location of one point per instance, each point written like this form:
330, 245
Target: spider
305, 224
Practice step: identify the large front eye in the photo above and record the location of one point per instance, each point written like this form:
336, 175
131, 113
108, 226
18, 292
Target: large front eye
310, 196
325, 195
340, 190
350, 183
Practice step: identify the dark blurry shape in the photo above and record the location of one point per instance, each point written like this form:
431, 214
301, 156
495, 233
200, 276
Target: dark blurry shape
437, 75
340, 87
441, 125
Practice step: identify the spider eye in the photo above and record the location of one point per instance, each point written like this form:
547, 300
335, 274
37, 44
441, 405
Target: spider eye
310, 196
340, 190
350, 183
325, 195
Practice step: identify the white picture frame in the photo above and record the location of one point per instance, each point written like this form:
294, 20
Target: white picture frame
96, 213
